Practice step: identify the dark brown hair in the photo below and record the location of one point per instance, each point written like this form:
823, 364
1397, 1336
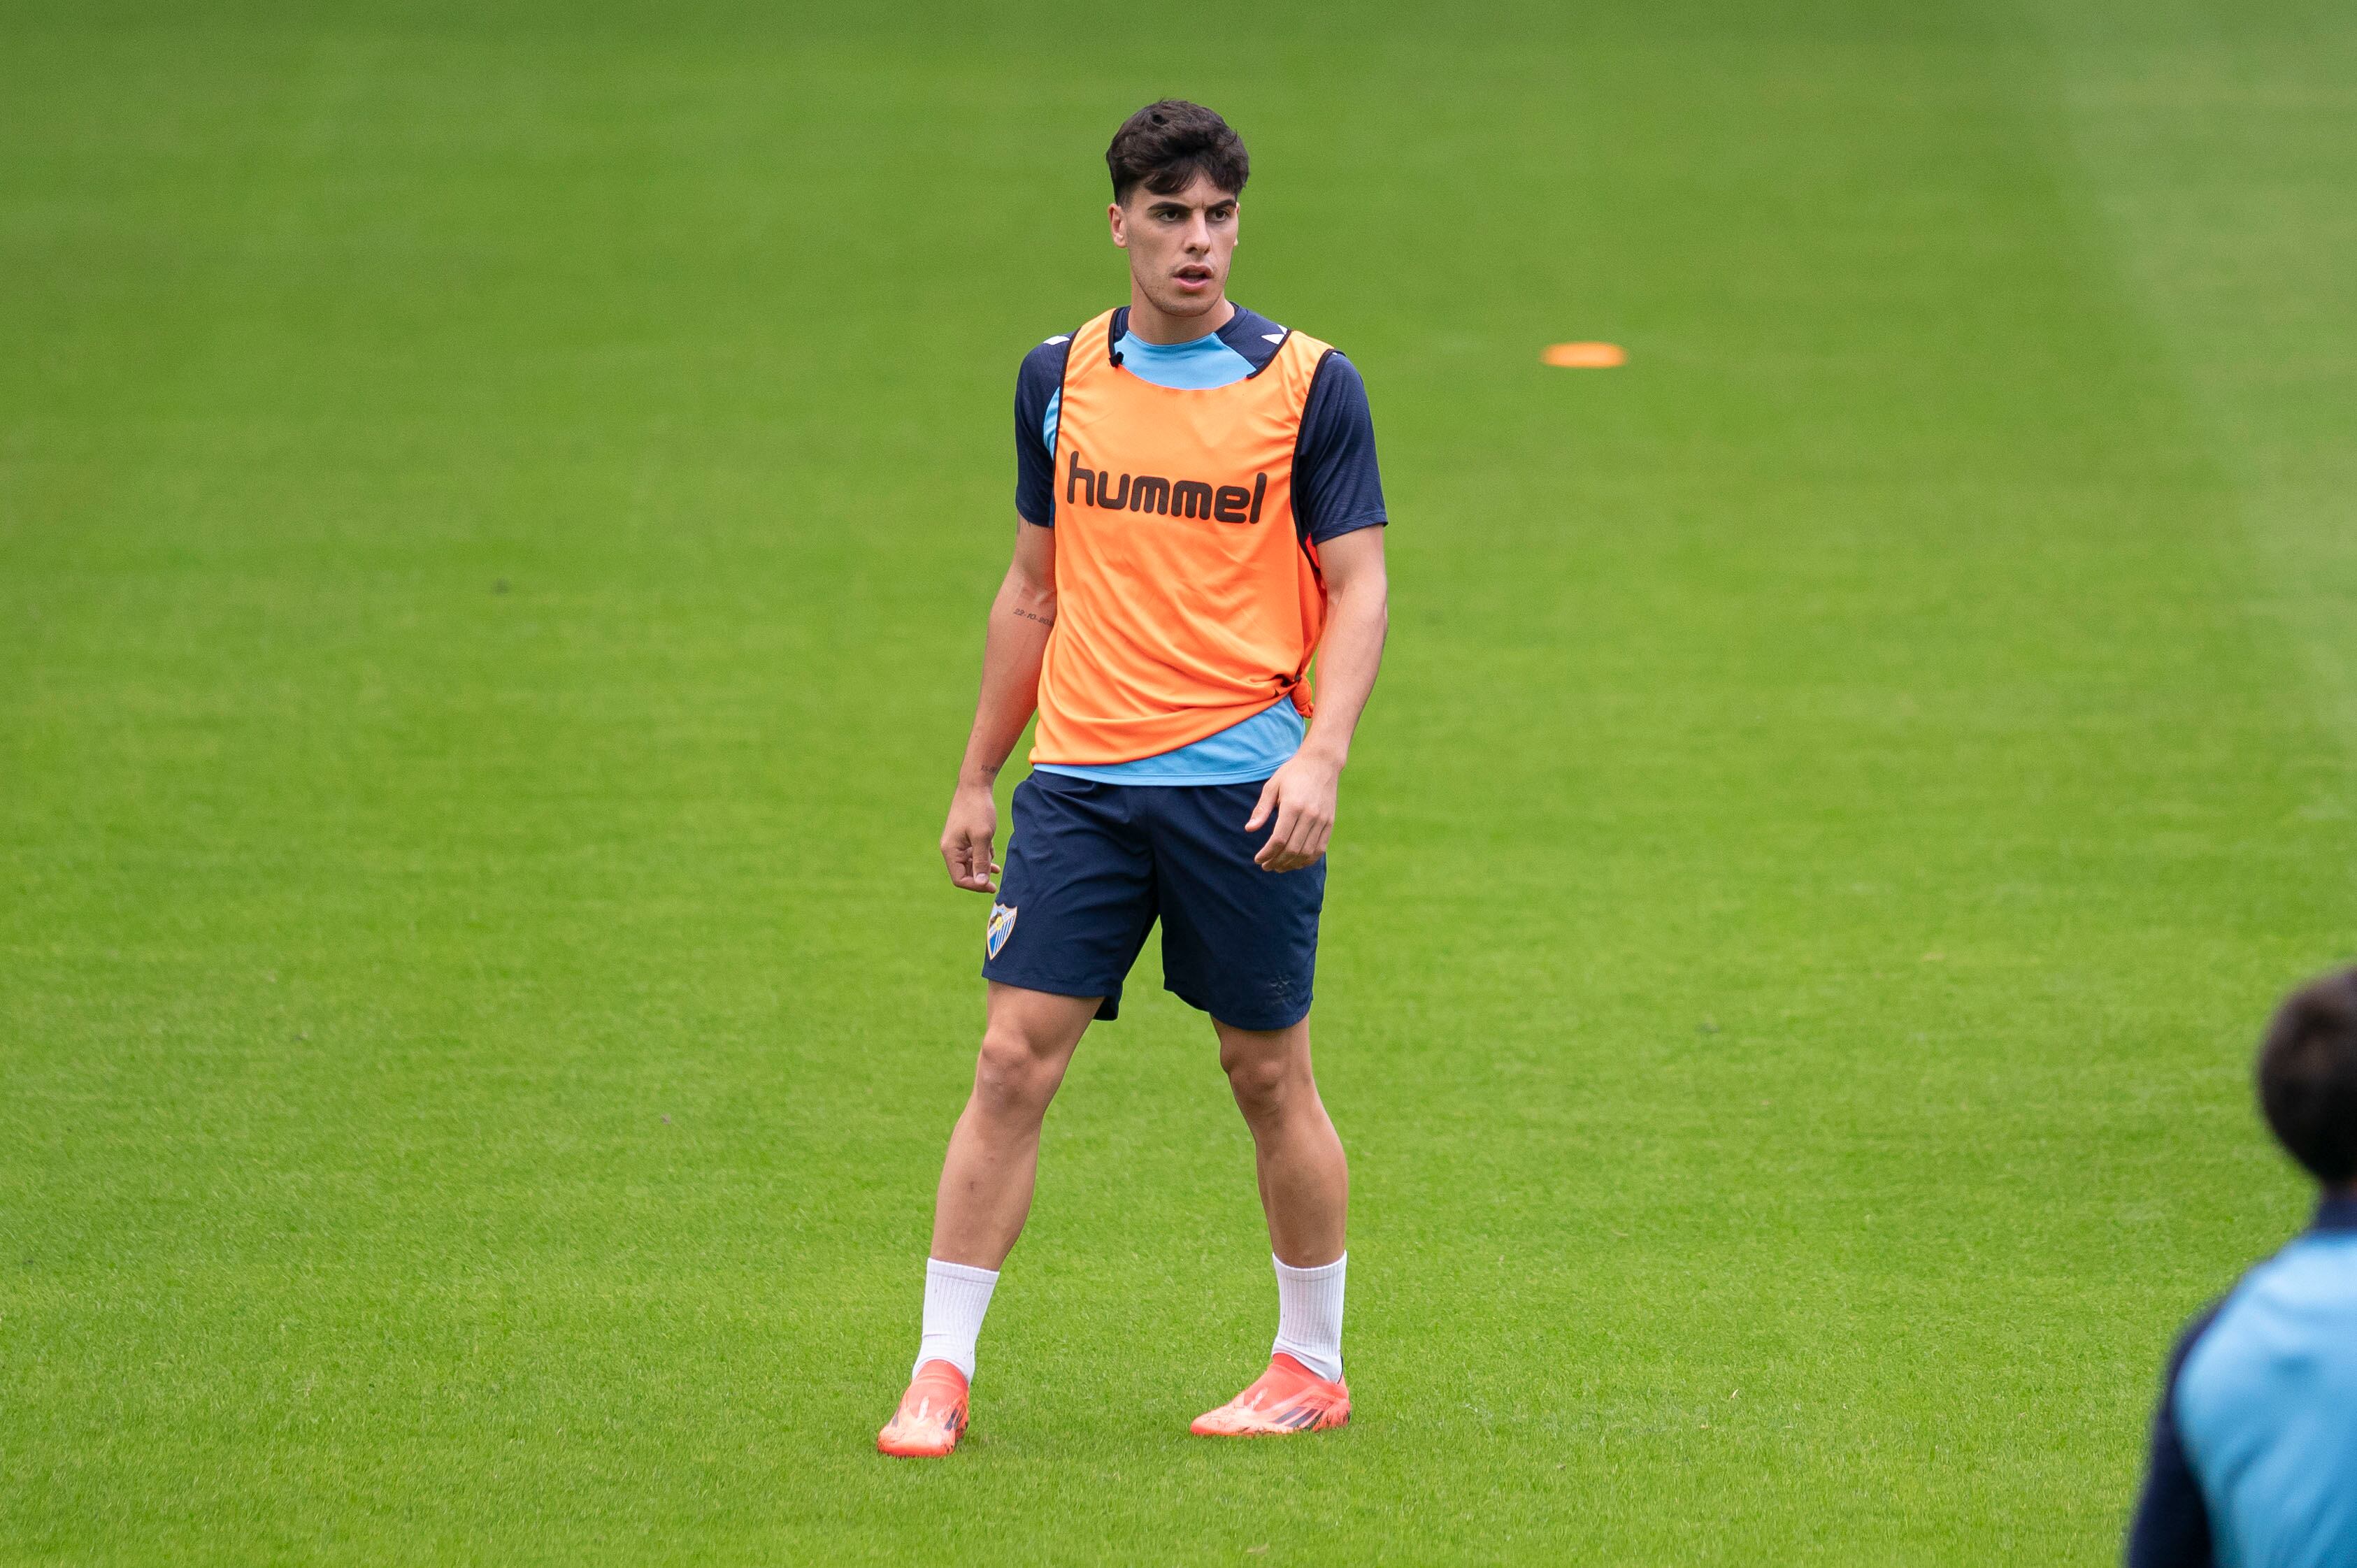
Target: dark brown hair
2308, 1076
1165, 146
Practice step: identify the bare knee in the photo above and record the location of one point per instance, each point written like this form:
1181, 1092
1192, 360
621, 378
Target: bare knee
1013, 1077
1265, 1083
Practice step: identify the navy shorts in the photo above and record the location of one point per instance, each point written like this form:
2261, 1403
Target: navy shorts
1091, 866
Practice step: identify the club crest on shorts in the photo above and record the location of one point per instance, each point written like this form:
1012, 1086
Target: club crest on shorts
1002, 922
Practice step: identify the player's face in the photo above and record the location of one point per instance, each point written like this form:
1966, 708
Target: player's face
1179, 244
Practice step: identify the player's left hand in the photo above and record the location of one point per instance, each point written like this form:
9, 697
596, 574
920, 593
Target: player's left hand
1300, 795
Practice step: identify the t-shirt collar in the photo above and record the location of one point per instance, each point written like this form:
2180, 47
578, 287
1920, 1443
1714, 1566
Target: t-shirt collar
1248, 334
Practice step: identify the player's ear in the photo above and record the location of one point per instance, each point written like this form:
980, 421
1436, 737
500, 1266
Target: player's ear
1113, 217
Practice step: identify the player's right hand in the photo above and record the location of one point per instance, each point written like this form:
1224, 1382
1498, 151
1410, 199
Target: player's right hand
966, 838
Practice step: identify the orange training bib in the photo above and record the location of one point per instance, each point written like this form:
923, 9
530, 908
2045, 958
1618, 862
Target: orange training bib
1186, 598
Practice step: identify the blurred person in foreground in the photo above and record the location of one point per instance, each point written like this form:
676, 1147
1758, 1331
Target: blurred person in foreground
2255, 1443
1197, 517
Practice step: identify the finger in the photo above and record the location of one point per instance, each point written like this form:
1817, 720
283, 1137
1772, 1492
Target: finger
1287, 815
1274, 847
1293, 830
1306, 841
1303, 840
965, 867
1260, 808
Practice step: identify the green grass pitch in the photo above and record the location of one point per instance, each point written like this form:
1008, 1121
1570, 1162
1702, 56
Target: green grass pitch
497, 507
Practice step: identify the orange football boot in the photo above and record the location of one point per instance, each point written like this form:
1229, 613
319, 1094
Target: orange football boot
1288, 1398
931, 1417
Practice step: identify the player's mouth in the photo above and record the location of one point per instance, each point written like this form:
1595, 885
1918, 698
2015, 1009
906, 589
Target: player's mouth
1192, 277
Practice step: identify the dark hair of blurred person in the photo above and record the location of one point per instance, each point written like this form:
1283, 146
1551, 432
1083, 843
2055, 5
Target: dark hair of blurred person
2308, 1077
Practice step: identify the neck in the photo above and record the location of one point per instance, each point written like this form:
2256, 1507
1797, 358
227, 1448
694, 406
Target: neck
1156, 326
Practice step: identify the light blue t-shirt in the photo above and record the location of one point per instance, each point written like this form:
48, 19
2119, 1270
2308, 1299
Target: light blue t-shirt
1243, 753
2266, 1405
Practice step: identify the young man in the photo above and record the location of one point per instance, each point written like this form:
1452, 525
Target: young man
1199, 514
2254, 1445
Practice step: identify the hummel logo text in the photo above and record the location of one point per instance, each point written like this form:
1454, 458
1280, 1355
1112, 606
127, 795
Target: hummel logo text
1173, 497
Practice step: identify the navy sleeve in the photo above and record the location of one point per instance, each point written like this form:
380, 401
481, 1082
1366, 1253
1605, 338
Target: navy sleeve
1035, 386
1336, 487
2171, 1528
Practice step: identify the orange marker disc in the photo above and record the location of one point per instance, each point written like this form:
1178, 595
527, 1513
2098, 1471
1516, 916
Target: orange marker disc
1586, 356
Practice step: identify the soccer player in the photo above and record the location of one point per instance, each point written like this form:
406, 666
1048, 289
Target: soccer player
2254, 1445
1199, 514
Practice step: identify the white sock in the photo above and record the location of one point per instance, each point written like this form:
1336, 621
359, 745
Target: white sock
1309, 1314
955, 1298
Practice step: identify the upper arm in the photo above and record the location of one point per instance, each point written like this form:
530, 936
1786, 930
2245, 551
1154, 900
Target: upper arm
1353, 561
1337, 487
1035, 557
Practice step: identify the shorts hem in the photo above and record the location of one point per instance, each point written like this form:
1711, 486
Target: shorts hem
1108, 996
1222, 1015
